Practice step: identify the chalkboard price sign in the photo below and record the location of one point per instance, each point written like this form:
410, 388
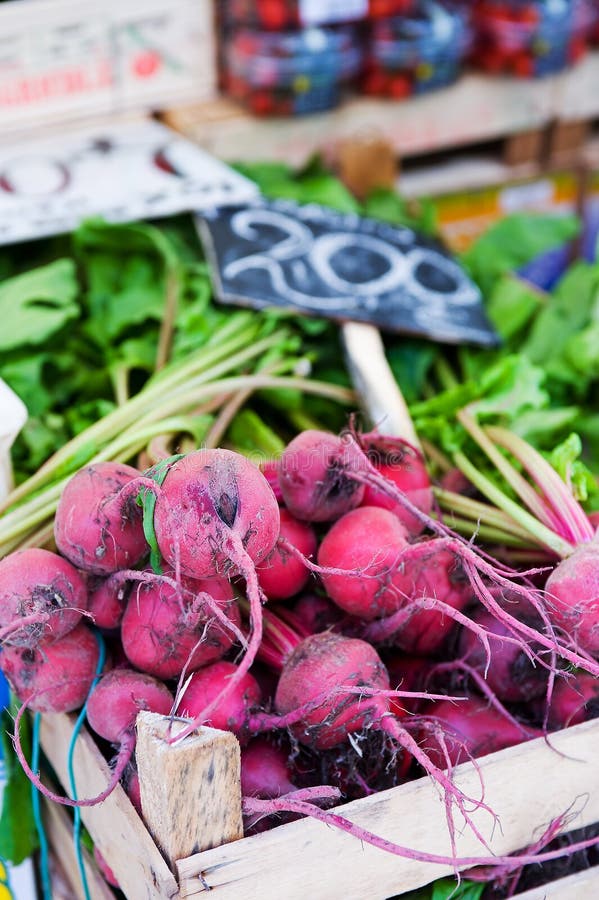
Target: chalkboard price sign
342, 266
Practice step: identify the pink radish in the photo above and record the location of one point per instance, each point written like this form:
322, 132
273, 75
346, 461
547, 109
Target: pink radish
369, 542
403, 465
234, 709
264, 770
98, 524
165, 630
282, 575
106, 602
41, 596
316, 473
215, 514
511, 675
469, 729
56, 675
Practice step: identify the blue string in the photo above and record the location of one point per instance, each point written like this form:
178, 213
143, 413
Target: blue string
37, 812
70, 769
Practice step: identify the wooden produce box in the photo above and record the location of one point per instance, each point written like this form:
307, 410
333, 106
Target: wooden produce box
71, 59
191, 801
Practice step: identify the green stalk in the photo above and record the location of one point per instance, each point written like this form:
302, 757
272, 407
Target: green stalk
522, 488
80, 448
445, 374
565, 506
536, 529
475, 511
166, 416
468, 528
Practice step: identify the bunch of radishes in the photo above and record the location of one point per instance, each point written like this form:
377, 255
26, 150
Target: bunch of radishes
175, 566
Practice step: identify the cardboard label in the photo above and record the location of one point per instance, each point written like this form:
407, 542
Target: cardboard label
341, 266
323, 12
135, 170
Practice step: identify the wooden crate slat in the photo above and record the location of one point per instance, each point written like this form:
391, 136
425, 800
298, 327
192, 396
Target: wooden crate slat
59, 829
489, 108
114, 825
581, 886
527, 786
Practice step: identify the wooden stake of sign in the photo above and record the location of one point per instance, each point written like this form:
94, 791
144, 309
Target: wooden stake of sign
375, 383
190, 790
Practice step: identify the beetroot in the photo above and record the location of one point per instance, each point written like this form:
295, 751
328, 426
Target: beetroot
281, 574
470, 728
314, 613
131, 786
42, 596
164, 629
403, 465
270, 470
106, 602
316, 473
369, 542
55, 676
317, 667
98, 525
264, 770
572, 597
234, 709
121, 694
573, 701
511, 675
213, 510
406, 673
215, 514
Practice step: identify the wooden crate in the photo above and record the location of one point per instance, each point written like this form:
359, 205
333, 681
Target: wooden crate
192, 799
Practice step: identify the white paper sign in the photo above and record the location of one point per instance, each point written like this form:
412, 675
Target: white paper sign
323, 12
123, 172
13, 415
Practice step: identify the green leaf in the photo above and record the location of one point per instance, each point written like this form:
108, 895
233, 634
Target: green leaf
568, 311
249, 434
514, 241
448, 889
18, 835
565, 459
512, 304
37, 305
126, 268
410, 362
511, 387
389, 206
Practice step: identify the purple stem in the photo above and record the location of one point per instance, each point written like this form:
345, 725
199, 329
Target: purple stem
254, 806
124, 755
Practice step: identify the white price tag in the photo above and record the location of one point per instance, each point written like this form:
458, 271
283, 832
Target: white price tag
123, 172
325, 12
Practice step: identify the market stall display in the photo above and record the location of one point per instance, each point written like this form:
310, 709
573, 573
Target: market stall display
300, 599
421, 51
292, 73
531, 39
